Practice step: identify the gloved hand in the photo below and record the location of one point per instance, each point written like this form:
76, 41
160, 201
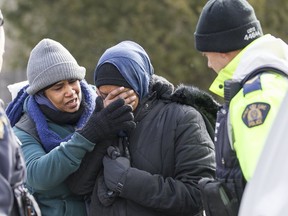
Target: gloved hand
106, 123
105, 196
115, 170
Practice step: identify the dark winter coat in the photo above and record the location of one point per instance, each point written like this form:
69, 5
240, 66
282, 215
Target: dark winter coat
12, 166
170, 152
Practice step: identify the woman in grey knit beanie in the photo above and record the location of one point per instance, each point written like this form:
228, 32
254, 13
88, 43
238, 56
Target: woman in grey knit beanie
50, 63
55, 119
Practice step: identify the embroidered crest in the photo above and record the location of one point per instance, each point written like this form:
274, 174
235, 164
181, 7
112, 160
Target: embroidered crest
255, 114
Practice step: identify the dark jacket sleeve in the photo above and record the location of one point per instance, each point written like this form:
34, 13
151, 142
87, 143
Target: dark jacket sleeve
194, 158
82, 181
12, 165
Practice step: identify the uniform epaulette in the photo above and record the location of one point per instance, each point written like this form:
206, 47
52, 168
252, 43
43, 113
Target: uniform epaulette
253, 84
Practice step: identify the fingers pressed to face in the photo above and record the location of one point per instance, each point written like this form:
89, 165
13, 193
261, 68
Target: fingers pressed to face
129, 97
120, 92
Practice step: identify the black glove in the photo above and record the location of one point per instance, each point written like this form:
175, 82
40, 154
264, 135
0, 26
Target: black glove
115, 170
106, 123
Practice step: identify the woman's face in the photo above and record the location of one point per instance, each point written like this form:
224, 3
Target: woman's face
65, 95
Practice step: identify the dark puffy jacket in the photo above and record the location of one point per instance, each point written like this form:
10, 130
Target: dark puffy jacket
170, 152
12, 166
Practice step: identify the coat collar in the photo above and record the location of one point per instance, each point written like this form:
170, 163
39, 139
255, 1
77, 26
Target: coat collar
266, 51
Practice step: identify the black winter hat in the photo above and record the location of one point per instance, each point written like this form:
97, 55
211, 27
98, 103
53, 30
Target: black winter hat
226, 25
108, 74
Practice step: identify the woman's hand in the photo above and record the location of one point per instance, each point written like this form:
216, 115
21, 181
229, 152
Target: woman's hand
128, 95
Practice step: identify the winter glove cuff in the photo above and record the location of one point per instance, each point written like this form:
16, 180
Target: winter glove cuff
115, 172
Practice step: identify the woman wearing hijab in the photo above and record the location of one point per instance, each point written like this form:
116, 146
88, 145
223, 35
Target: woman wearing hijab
154, 169
55, 120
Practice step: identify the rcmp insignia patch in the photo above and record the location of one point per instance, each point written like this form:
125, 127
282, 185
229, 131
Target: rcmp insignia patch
255, 114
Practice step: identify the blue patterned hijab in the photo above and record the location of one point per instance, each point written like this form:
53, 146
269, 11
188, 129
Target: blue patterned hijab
133, 63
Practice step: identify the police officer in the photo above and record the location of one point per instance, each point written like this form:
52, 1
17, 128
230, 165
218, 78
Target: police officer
12, 166
251, 70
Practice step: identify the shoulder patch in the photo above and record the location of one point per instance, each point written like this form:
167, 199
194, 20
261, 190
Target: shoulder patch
255, 114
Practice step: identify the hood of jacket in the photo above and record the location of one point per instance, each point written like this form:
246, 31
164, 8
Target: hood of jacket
199, 99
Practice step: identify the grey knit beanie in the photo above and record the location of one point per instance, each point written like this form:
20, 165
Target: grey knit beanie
49, 63
226, 25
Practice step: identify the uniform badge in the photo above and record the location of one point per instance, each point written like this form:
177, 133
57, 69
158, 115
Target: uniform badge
255, 114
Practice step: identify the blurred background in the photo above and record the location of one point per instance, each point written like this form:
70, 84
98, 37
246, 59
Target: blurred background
87, 28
